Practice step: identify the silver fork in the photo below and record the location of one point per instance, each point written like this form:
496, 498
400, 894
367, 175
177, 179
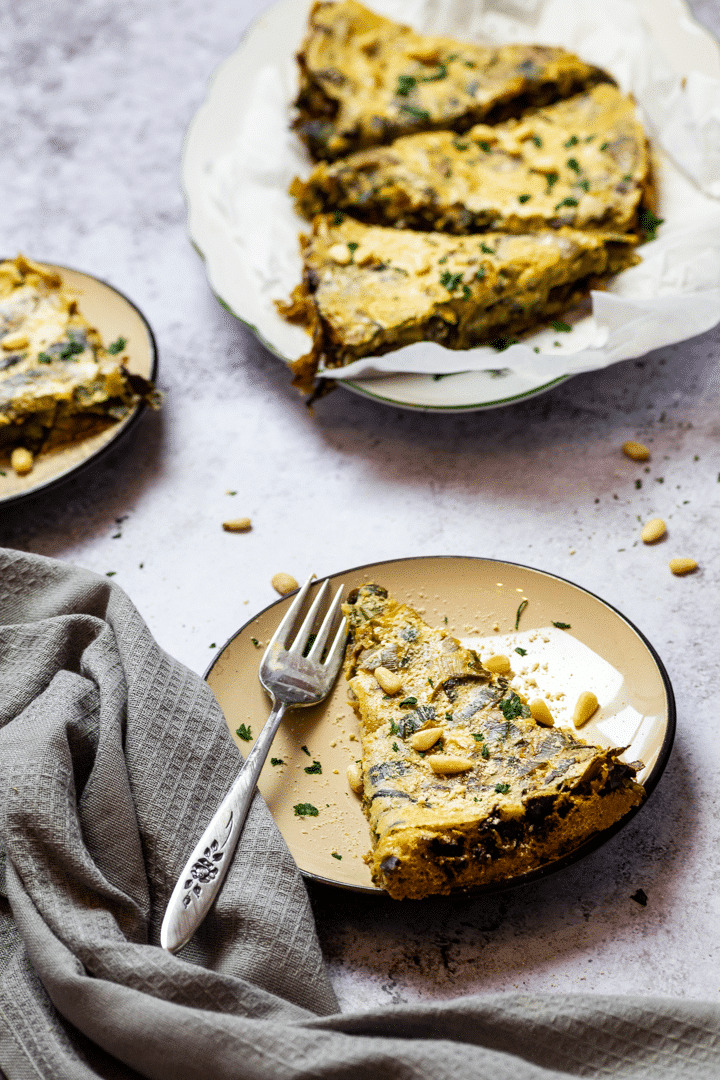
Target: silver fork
294, 677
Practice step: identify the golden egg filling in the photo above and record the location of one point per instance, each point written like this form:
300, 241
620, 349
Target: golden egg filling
460, 784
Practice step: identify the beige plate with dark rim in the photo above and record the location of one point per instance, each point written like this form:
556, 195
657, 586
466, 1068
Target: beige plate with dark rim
114, 316
602, 652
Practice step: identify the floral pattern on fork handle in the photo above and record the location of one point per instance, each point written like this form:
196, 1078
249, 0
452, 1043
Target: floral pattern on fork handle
206, 869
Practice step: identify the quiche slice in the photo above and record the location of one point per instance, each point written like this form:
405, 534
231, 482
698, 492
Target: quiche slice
583, 162
367, 289
461, 786
365, 79
57, 380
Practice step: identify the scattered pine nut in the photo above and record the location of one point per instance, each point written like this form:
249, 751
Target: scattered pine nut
448, 764
21, 460
499, 665
388, 681
237, 525
682, 566
585, 707
423, 740
15, 341
654, 530
355, 777
284, 584
541, 713
636, 450
340, 253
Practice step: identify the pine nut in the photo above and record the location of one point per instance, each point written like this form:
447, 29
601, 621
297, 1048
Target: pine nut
682, 566
654, 530
423, 740
636, 450
15, 341
540, 713
237, 525
388, 681
499, 665
585, 707
21, 460
355, 777
448, 764
340, 253
284, 584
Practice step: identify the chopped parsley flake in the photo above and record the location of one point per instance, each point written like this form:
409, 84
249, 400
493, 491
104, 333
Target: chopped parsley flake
649, 224
255, 642
405, 84
572, 141
395, 747
460, 145
536, 140
335, 855
408, 702
72, 348
450, 281
305, 809
511, 707
574, 164
584, 184
117, 346
485, 752
352, 247
441, 73
306, 751
521, 652
418, 114
569, 201
478, 737
479, 275
244, 732
604, 146
394, 729
638, 484
466, 292
563, 625
487, 250
519, 612
44, 358
523, 198
551, 180
110, 573
500, 344
276, 761
314, 769
484, 146
561, 327
338, 218
502, 789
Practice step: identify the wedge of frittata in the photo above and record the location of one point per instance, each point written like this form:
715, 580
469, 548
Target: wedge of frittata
57, 380
365, 79
367, 289
583, 162
461, 786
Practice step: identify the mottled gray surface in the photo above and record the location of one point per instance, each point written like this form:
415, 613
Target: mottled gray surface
94, 110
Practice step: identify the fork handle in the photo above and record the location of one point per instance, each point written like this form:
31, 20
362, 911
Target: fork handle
205, 870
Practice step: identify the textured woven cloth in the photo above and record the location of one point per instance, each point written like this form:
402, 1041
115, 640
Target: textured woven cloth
112, 758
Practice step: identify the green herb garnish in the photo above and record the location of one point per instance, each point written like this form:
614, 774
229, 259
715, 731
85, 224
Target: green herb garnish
352, 248
460, 145
638, 484
569, 201
523, 198
485, 752
394, 729
484, 146
584, 184
511, 707
551, 180
502, 789
500, 344
521, 652
418, 114
405, 84
335, 855
395, 747
572, 141
305, 809
536, 140
306, 751
314, 769
563, 625
573, 163
244, 733
441, 73
487, 250
276, 761
255, 642
478, 737
409, 701
523, 605
44, 358
450, 281
604, 146
480, 273
650, 224
117, 346
110, 573
338, 218
561, 327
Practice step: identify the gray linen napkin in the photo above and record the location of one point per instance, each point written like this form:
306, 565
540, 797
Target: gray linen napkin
112, 758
